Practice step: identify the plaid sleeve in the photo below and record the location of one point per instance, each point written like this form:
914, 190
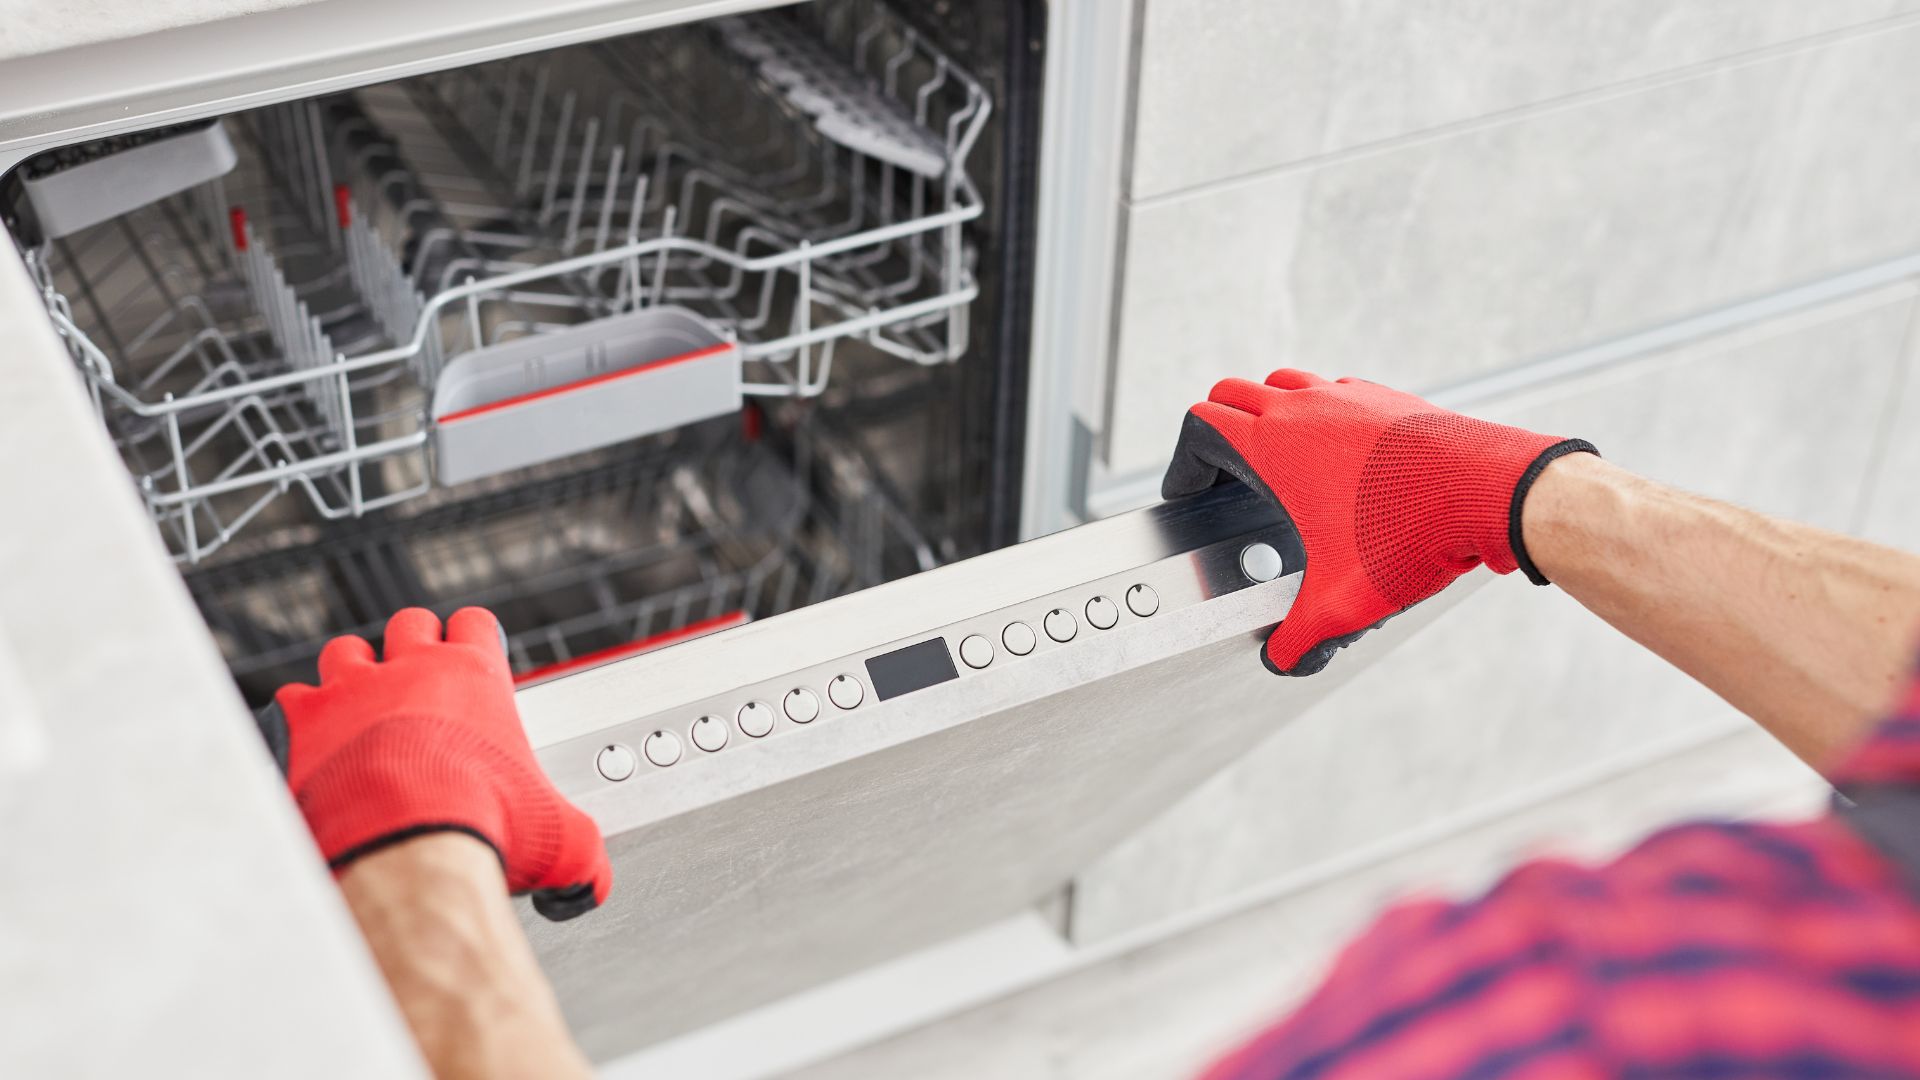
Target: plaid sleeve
1440, 989
1709, 950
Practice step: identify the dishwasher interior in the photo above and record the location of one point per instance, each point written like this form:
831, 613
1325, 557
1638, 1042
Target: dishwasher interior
627, 341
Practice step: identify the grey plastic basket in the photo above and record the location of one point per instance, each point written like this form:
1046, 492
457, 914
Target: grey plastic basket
535, 399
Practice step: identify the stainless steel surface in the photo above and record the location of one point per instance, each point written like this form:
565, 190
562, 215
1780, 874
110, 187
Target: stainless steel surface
1089, 106
267, 57
822, 848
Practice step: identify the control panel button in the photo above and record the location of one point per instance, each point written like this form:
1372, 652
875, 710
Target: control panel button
846, 692
709, 733
662, 748
976, 651
801, 706
756, 718
1018, 638
616, 762
1260, 562
1142, 600
1102, 612
1061, 625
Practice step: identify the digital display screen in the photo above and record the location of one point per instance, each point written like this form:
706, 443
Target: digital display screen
915, 667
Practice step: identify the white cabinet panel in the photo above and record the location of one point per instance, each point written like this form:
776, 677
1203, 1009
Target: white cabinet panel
161, 903
1437, 261
1521, 687
1231, 87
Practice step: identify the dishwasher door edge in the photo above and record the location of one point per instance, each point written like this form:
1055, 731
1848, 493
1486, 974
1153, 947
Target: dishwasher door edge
770, 864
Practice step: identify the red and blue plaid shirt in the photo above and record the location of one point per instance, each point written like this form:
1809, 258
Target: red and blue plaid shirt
1712, 950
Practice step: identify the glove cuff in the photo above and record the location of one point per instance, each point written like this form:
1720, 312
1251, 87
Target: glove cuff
1515, 539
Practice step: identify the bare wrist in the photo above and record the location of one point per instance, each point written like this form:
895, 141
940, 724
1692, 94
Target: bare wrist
434, 909
1560, 507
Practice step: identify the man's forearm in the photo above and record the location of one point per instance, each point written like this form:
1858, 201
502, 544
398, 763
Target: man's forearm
1806, 631
435, 911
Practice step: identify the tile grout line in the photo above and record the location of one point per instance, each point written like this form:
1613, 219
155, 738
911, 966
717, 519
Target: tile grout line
1904, 360
1595, 95
1810, 299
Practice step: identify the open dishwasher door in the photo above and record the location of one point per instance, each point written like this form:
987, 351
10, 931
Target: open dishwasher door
801, 797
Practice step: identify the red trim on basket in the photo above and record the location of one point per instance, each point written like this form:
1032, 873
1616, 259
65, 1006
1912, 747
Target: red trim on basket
582, 384
343, 204
237, 217
632, 648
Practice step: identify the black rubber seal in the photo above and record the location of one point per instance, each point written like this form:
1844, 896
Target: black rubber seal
1514, 538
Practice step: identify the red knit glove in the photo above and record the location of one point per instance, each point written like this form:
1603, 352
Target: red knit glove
1392, 497
427, 740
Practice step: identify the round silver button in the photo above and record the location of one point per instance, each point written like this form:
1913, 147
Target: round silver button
846, 692
1102, 613
1018, 638
1142, 600
662, 748
976, 651
1260, 562
1061, 625
615, 762
756, 718
709, 733
801, 706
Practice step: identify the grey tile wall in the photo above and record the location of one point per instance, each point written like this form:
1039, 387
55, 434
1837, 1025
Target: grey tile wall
1890, 512
1440, 260
1230, 87
1521, 686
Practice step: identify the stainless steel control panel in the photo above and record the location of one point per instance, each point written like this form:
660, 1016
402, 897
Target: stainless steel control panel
863, 687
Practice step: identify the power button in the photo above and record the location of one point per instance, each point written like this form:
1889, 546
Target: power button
1260, 562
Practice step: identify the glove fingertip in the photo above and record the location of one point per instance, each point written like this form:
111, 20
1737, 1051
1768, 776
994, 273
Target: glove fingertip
1311, 662
1197, 456
476, 626
1294, 379
1288, 658
591, 874
290, 695
272, 722
569, 902
410, 630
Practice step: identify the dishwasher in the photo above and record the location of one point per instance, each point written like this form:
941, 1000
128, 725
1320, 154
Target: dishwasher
698, 355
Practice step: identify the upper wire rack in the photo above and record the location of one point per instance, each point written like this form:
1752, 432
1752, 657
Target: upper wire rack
798, 178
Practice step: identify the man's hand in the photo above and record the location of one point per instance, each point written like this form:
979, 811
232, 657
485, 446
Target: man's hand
1392, 497
426, 740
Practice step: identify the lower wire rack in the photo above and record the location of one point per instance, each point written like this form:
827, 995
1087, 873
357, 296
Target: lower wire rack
651, 545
